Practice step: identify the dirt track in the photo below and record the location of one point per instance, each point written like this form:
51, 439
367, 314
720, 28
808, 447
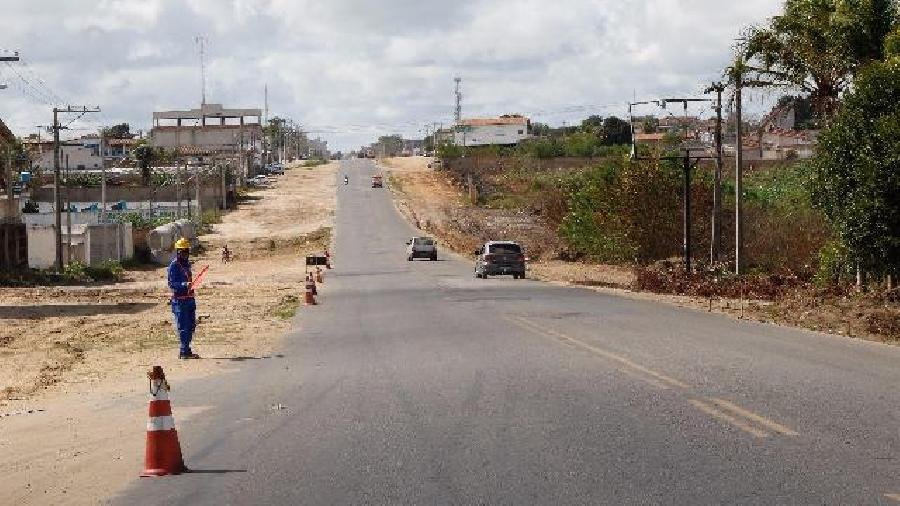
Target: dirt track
64, 351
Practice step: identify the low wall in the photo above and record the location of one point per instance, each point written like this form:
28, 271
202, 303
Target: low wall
210, 196
91, 244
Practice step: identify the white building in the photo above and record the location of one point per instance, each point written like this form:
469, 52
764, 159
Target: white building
505, 130
78, 155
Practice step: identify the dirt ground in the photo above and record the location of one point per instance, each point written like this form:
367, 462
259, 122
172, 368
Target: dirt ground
64, 351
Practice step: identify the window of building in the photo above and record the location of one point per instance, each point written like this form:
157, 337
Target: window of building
521, 132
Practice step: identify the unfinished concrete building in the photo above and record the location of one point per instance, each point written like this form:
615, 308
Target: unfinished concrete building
210, 127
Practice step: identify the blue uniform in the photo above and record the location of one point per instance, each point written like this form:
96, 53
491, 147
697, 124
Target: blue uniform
184, 307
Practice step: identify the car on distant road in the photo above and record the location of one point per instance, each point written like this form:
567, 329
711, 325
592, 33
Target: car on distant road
276, 168
499, 258
377, 181
421, 247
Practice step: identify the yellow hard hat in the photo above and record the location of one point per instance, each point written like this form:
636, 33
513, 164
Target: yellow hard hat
182, 244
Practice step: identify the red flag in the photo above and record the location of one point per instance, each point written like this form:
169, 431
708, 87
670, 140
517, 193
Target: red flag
199, 277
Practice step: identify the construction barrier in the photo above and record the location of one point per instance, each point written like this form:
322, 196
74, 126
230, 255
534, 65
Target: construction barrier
163, 453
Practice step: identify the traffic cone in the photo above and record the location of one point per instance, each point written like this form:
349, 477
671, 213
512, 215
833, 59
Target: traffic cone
163, 455
310, 292
314, 287
320, 278
327, 260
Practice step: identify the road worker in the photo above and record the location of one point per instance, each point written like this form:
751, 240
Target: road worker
184, 307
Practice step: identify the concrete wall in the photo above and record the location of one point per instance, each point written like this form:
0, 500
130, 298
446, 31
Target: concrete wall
210, 195
41, 246
91, 244
111, 241
210, 136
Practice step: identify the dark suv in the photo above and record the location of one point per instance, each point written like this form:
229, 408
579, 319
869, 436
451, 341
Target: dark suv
500, 257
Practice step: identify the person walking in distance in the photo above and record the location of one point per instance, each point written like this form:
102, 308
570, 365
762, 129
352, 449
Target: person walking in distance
184, 307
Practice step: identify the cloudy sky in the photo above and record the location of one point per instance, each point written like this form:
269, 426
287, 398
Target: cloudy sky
350, 70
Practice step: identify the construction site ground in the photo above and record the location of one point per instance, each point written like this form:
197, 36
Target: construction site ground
73, 359
430, 200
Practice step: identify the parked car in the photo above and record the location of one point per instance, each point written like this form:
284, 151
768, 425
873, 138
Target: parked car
421, 247
499, 257
276, 168
377, 181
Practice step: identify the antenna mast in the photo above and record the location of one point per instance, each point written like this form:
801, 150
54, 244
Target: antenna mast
458, 112
201, 41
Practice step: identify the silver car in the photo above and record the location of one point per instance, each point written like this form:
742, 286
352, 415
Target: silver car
421, 247
499, 257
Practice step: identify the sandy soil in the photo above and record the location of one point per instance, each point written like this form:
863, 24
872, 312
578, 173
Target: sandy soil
67, 352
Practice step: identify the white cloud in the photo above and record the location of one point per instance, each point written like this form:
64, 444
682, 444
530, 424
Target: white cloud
357, 68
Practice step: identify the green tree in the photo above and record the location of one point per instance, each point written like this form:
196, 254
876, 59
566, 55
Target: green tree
855, 178
592, 124
120, 131
817, 46
144, 154
540, 129
616, 131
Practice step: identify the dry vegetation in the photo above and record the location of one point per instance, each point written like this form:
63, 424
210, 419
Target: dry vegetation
524, 207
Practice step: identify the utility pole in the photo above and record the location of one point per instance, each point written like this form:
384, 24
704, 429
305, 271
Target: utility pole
687, 161
715, 242
224, 188
68, 215
57, 204
102, 178
57, 196
738, 174
178, 189
265, 140
197, 180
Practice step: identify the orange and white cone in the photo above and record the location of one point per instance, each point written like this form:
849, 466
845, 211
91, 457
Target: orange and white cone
163, 455
310, 292
327, 260
320, 278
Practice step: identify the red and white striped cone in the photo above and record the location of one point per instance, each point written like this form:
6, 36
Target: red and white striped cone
163, 455
327, 260
320, 278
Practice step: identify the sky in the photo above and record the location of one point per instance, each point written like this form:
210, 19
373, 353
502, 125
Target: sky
351, 70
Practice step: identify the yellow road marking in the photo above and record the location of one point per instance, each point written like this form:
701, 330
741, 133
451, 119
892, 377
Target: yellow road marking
603, 353
664, 382
658, 384
776, 427
725, 417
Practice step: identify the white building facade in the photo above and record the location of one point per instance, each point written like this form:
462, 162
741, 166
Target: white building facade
504, 131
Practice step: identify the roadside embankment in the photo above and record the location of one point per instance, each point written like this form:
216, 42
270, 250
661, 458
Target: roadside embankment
462, 217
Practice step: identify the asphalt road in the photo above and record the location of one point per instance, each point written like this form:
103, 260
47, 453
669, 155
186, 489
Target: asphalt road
415, 383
